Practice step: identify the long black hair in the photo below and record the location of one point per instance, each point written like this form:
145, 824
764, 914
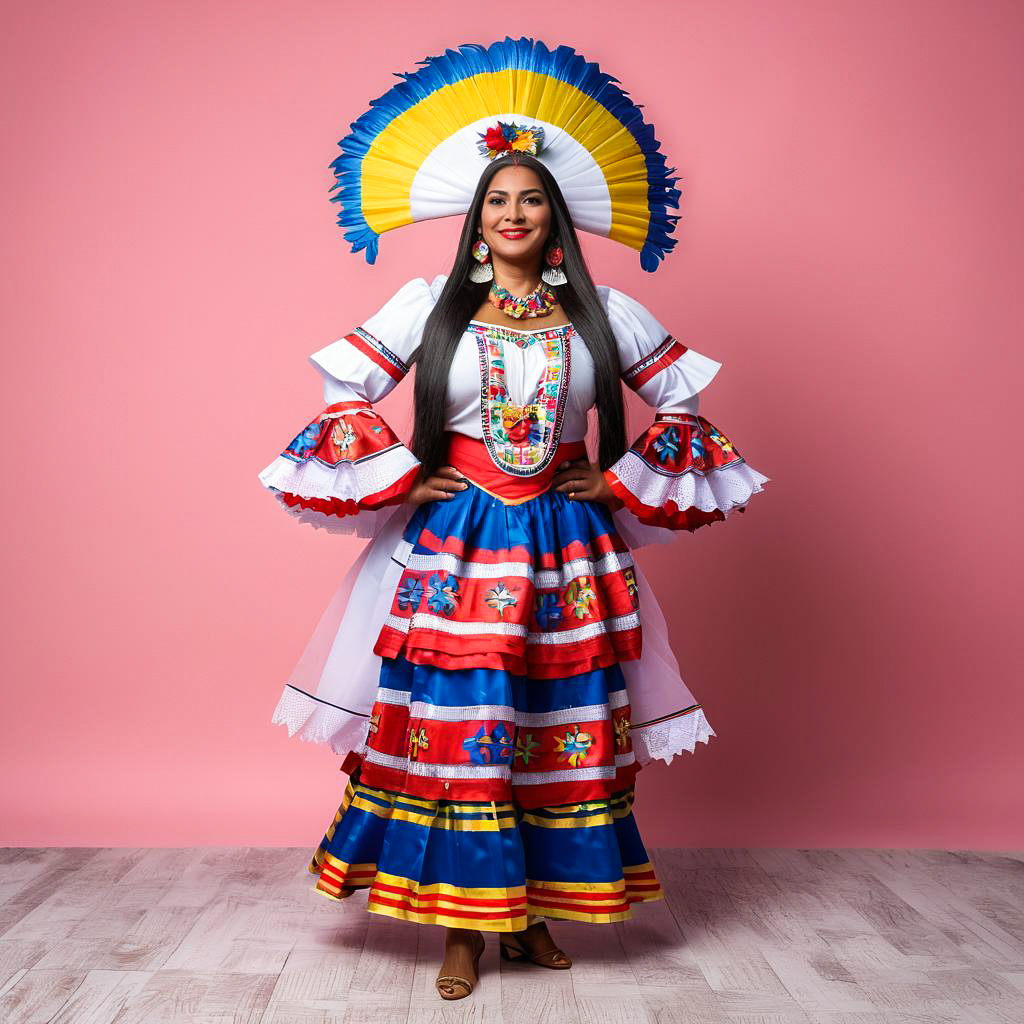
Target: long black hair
459, 302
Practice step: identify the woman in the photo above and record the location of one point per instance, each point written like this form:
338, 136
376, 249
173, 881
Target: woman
491, 778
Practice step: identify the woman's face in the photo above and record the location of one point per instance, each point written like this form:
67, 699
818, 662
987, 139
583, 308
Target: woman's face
516, 217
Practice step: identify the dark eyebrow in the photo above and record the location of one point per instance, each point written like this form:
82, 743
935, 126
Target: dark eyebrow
502, 192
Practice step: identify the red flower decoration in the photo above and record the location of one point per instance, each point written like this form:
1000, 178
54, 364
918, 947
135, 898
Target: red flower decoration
495, 139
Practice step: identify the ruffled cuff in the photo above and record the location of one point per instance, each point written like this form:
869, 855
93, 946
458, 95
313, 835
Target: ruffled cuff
683, 473
345, 472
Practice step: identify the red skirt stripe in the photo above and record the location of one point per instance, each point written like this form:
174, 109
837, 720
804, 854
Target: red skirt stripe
407, 905
546, 794
539, 661
432, 898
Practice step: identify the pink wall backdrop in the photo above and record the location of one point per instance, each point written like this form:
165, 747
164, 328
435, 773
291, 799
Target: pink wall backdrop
850, 250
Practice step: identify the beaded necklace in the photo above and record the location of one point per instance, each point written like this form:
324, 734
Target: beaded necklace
540, 302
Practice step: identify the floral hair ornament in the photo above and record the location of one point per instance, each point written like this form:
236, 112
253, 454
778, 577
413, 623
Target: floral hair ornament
504, 138
415, 154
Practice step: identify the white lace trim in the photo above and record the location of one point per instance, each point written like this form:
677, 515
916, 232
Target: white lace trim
316, 721
366, 523
666, 739
725, 489
348, 481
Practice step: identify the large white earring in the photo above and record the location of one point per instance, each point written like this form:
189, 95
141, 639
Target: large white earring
482, 270
552, 272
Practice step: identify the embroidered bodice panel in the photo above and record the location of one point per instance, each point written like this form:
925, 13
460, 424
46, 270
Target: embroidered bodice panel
520, 391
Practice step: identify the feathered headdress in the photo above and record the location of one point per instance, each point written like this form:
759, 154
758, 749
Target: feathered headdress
418, 152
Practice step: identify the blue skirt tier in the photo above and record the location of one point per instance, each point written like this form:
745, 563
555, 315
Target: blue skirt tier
485, 865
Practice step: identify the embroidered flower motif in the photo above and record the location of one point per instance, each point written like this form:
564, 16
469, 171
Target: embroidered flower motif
443, 593
632, 587
410, 593
377, 429
375, 723
525, 746
622, 732
696, 447
721, 440
575, 746
342, 435
548, 611
494, 747
666, 445
307, 440
417, 741
580, 595
499, 597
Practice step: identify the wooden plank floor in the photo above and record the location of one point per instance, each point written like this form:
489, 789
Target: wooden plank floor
215, 935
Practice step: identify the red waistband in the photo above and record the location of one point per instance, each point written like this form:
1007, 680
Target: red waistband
470, 457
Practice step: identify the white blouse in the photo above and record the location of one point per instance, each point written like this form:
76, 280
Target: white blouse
398, 326
521, 391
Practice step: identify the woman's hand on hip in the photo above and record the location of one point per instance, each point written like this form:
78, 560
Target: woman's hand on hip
439, 486
582, 480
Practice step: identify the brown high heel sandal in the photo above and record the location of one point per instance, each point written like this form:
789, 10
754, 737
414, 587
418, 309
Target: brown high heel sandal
452, 981
512, 948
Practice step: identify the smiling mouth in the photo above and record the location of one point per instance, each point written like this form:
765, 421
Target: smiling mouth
513, 232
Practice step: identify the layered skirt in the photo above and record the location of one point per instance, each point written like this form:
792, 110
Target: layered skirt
496, 779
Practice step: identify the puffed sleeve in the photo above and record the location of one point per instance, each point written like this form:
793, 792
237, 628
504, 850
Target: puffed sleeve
346, 469
682, 472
